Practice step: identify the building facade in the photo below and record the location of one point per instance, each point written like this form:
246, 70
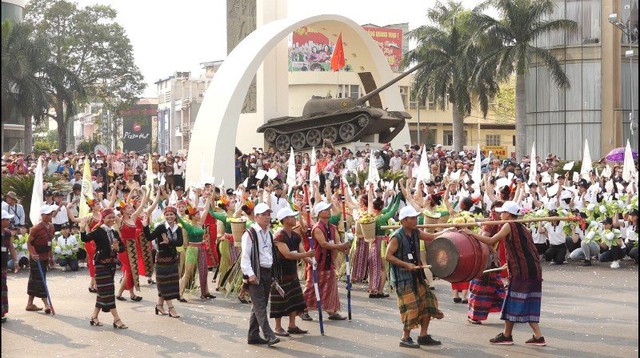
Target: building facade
604, 85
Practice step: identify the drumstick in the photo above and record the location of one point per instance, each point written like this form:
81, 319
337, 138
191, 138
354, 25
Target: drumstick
495, 269
419, 267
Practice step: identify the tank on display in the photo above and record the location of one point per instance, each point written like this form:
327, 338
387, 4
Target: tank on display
339, 120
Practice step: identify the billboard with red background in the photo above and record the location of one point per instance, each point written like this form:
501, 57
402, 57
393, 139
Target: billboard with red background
390, 42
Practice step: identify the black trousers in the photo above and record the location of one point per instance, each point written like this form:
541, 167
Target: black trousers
556, 253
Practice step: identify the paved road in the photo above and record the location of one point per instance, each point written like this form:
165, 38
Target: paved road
586, 312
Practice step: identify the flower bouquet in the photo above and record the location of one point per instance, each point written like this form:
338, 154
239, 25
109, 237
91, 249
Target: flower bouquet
367, 223
238, 226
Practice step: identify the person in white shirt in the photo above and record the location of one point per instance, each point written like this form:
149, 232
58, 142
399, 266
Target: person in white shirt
255, 263
395, 163
11, 205
60, 216
277, 199
67, 249
554, 231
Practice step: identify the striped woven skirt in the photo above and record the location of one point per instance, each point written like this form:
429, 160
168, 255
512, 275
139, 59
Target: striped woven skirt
293, 300
486, 295
106, 298
35, 287
523, 300
359, 261
376, 270
5, 293
328, 287
145, 256
167, 278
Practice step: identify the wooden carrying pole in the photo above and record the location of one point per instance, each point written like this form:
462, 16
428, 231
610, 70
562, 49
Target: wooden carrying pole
495, 222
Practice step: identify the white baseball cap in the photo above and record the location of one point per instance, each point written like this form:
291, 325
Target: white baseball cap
48, 209
510, 207
261, 208
6, 215
321, 206
285, 212
408, 212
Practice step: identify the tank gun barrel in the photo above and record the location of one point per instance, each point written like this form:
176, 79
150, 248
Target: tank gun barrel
365, 98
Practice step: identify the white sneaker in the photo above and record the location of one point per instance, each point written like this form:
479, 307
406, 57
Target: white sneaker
615, 264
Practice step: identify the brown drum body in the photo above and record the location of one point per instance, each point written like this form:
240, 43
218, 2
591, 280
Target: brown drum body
457, 257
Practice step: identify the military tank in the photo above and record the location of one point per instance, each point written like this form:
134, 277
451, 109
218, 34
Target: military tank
338, 120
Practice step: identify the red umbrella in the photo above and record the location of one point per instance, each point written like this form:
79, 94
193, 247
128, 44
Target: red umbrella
617, 155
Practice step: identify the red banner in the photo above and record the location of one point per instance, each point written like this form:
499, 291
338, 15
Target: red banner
390, 42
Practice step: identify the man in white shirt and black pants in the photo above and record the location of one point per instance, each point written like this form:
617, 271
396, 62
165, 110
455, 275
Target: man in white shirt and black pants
255, 262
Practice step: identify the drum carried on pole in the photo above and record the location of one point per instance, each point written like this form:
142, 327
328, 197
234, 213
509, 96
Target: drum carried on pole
458, 257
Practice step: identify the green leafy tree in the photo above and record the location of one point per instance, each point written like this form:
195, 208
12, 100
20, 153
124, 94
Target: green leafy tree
451, 58
504, 102
514, 35
29, 77
91, 44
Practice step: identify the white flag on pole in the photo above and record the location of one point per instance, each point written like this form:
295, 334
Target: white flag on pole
36, 196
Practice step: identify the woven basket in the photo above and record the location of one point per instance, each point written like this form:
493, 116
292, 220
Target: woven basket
237, 229
369, 231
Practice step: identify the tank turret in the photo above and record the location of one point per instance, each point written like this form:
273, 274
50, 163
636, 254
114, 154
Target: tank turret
339, 120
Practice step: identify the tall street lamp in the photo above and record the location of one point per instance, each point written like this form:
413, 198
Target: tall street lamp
632, 37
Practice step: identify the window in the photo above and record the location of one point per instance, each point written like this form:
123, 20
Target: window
404, 93
448, 138
493, 139
352, 91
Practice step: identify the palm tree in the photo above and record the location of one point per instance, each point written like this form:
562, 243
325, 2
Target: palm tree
30, 78
450, 61
520, 23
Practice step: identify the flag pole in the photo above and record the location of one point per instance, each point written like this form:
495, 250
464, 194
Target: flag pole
346, 256
313, 259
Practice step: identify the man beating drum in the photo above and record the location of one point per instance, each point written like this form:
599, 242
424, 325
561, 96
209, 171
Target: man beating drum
416, 302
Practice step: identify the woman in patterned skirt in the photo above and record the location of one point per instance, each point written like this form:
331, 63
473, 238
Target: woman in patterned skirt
7, 247
168, 237
90, 247
289, 250
108, 245
524, 293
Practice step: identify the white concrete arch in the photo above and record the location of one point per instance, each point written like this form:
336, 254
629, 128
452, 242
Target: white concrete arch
216, 126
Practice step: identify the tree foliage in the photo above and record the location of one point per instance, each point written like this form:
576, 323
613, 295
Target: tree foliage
450, 60
91, 44
513, 48
30, 77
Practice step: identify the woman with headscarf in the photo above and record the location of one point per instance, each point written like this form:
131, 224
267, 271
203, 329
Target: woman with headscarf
168, 236
108, 244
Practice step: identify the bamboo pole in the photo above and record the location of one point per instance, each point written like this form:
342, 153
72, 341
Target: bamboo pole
494, 222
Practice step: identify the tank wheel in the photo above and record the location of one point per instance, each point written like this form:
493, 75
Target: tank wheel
314, 138
330, 133
282, 142
270, 135
363, 121
347, 132
297, 140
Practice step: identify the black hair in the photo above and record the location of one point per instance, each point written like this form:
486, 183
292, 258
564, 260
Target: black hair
378, 204
466, 203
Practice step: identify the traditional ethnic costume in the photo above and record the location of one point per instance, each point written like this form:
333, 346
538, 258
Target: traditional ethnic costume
167, 259
524, 293
327, 280
486, 294
415, 299
105, 264
376, 268
129, 257
6, 241
293, 301
197, 256
40, 237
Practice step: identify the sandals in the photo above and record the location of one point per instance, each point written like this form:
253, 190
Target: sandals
183, 300
120, 298
94, 322
119, 326
242, 300
207, 296
92, 290
173, 315
160, 310
281, 333
47, 310
136, 298
296, 330
33, 308
473, 321
336, 317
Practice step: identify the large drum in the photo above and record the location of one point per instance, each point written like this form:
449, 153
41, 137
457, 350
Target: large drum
457, 257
